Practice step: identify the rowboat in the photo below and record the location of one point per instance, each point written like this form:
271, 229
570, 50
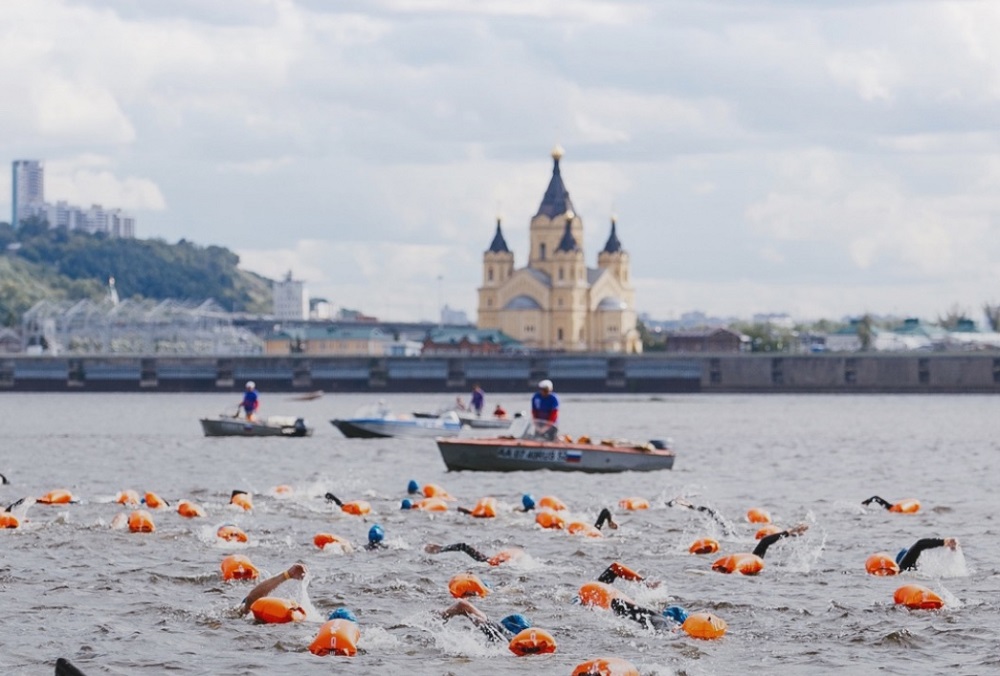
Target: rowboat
273, 426
526, 450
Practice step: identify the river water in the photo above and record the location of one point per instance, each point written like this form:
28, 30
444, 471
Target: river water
119, 603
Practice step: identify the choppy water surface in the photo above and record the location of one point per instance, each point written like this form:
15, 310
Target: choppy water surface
121, 603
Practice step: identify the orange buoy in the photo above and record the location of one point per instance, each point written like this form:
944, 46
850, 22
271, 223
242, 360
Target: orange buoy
758, 515
552, 502
337, 637
465, 584
769, 529
272, 610
141, 521
532, 642
704, 625
606, 666
189, 510
581, 528
8, 520
917, 597
548, 519
282, 491
503, 556
431, 505
231, 533
704, 546
881, 564
486, 508
127, 497
356, 507
154, 501
625, 573
56, 497
908, 506
633, 503
435, 491
241, 499
321, 540
746, 564
598, 594
238, 567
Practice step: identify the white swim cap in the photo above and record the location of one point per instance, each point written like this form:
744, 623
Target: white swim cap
251, 384
545, 385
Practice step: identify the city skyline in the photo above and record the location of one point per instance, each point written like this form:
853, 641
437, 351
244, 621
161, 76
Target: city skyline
770, 156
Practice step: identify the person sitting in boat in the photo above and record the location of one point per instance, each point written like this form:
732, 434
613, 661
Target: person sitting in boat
545, 410
250, 400
504, 630
502, 556
295, 571
727, 528
478, 399
499, 412
907, 557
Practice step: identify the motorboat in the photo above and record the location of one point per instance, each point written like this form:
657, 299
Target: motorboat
471, 420
380, 423
273, 426
530, 449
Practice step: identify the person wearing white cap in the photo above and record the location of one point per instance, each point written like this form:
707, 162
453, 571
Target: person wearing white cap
250, 401
545, 410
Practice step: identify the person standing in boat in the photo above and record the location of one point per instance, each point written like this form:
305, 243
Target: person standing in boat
478, 399
545, 410
250, 400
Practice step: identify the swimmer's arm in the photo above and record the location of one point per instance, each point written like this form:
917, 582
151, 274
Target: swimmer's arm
769, 540
913, 553
878, 501
463, 607
296, 570
457, 547
605, 517
615, 571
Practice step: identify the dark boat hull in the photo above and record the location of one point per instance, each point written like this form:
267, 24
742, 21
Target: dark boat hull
518, 455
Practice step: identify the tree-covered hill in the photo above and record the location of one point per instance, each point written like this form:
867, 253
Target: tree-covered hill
38, 262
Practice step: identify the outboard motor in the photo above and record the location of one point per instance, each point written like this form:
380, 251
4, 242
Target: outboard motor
300, 427
660, 444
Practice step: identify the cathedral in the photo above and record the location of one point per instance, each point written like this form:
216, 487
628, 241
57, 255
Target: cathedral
556, 302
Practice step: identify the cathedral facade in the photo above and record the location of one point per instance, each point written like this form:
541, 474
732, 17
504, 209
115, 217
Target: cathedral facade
556, 302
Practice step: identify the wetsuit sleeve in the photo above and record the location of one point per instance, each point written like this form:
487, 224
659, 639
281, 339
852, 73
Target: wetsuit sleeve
878, 501
462, 547
494, 631
645, 616
609, 575
909, 561
767, 541
603, 518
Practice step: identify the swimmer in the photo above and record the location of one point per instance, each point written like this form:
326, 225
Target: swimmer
908, 506
295, 571
356, 507
3, 480
376, 535
768, 540
718, 518
504, 630
753, 563
500, 557
907, 558
669, 619
605, 518
66, 668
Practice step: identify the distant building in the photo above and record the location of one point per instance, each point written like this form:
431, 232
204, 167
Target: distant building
291, 300
556, 302
320, 308
28, 199
449, 316
468, 341
28, 190
330, 341
707, 340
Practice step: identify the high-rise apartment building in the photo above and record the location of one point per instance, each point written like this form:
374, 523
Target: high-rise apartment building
28, 194
291, 300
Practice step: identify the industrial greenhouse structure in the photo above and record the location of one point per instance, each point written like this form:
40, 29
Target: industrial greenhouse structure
134, 327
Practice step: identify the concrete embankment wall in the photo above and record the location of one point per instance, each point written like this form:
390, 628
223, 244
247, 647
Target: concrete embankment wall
651, 373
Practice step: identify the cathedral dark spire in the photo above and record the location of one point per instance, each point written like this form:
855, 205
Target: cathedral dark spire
568, 242
556, 200
613, 245
499, 244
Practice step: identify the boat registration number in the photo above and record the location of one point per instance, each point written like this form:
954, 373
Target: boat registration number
531, 454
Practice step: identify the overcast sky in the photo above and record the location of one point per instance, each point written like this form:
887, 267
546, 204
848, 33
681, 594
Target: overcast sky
815, 157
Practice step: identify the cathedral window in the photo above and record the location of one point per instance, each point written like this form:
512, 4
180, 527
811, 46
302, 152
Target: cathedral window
559, 334
489, 274
560, 274
541, 251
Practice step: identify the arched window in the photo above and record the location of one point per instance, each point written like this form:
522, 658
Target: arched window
560, 274
489, 273
559, 334
541, 251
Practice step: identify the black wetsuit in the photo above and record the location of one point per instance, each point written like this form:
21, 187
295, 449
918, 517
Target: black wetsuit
462, 547
718, 518
909, 561
604, 518
767, 541
878, 501
644, 616
494, 631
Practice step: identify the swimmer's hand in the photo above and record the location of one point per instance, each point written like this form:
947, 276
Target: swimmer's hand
951, 543
297, 570
798, 529
679, 502
432, 548
653, 584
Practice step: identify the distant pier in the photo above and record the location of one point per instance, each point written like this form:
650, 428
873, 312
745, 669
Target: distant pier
579, 373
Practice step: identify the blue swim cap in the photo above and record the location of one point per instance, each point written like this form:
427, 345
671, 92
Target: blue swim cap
406, 504
515, 623
376, 534
342, 614
901, 554
527, 501
412, 487
675, 613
